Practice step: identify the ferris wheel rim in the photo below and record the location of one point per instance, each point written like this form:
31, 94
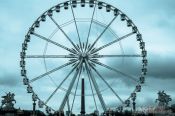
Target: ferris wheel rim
86, 1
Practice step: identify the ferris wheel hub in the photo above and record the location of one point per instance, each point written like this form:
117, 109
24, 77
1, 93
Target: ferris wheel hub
83, 57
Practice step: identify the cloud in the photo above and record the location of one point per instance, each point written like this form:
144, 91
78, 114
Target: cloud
162, 68
154, 18
9, 80
158, 67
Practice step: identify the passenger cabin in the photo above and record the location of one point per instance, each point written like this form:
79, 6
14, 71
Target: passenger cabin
134, 29
23, 54
74, 3
91, 3
142, 80
32, 30
43, 18
144, 53
100, 5
27, 38
129, 23
37, 24
123, 17
22, 63
145, 61
139, 37
142, 45
40, 104
23, 72
108, 8
34, 97
82, 3
133, 95
57, 8
25, 81
144, 70
50, 12
24, 46
116, 12
127, 103
138, 88
66, 5
29, 89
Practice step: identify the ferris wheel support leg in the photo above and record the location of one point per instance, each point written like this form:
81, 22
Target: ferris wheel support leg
95, 86
70, 88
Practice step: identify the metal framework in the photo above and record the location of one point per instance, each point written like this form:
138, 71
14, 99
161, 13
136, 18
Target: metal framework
83, 56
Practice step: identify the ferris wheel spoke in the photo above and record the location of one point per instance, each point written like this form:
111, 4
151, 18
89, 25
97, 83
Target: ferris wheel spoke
95, 85
97, 72
115, 41
102, 33
60, 84
76, 27
110, 30
104, 25
50, 56
115, 56
53, 42
115, 70
51, 71
92, 91
64, 33
87, 41
70, 87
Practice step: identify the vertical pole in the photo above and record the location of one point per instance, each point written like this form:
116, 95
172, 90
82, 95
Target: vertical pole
34, 108
134, 106
82, 98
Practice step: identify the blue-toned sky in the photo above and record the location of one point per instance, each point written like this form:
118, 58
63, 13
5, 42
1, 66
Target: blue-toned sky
155, 20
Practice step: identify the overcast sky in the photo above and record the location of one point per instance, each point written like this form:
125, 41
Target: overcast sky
154, 18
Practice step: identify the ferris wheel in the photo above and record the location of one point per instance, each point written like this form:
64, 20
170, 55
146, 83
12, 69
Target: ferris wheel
89, 40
